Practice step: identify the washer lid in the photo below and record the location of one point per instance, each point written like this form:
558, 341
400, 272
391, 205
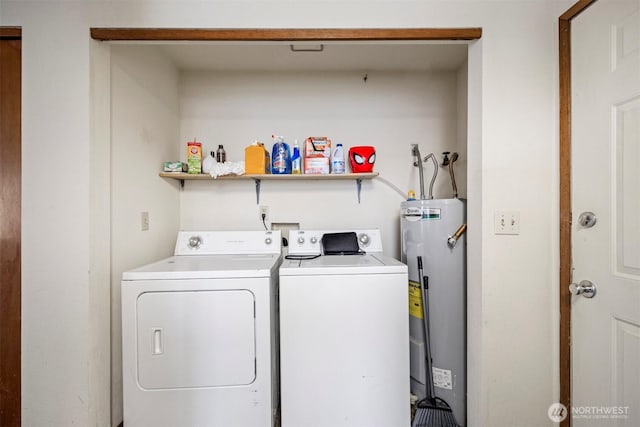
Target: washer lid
206, 267
343, 264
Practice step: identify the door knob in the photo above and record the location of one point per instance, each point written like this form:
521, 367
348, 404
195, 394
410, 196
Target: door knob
584, 288
587, 219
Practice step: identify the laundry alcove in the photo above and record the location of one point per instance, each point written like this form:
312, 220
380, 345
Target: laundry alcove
152, 96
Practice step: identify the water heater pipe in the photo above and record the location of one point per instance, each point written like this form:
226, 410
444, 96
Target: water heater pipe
452, 240
454, 157
435, 173
415, 151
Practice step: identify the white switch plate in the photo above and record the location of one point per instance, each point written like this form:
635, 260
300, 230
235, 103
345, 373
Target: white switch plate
144, 221
506, 222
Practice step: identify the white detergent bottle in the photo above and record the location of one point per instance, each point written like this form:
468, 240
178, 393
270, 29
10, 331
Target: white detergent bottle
209, 162
337, 160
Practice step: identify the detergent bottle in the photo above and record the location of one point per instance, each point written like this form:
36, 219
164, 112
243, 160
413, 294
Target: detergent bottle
296, 161
209, 162
280, 157
337, 160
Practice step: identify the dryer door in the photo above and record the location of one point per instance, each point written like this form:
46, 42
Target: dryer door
196, 339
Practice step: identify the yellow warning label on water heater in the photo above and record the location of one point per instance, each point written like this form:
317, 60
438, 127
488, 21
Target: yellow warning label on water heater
415, 299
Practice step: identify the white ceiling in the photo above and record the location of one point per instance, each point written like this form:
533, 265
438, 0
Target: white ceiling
407, 56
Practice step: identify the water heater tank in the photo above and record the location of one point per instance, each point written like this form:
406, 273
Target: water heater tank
426, 226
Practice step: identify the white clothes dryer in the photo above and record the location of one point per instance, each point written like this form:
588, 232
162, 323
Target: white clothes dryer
344, 336
199, 333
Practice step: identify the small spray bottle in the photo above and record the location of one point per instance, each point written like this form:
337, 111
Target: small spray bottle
296, 161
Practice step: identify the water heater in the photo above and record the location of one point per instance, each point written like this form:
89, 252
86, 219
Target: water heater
427, 228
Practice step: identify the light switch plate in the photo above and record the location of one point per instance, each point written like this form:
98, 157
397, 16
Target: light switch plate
144, 221
506, 222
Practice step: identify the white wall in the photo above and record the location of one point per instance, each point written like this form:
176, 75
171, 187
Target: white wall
391, 111
99, 363
475, 356
56, 213
144, 130
460, 166
519, 143
514, 168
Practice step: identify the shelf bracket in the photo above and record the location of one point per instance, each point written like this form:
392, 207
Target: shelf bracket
182, 184
257, 181
358, 187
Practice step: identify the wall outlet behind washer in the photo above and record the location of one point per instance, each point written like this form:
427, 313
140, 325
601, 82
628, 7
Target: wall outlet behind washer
264, 210
285, 228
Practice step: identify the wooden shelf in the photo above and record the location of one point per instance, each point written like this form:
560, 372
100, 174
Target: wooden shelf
358, 177
203, 176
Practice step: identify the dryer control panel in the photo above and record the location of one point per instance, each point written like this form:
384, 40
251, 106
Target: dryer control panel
228, 242
309, 242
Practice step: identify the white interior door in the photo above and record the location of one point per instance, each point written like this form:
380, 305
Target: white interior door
606, 182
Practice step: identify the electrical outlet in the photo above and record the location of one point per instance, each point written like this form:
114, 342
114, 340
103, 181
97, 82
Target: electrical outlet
264, 210
506, 222
285, 227
144, 221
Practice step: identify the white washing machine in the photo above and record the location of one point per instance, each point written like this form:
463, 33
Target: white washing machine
199, 333
344, 336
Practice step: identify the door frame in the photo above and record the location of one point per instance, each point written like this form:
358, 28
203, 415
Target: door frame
10, 253
565, 276
284, 34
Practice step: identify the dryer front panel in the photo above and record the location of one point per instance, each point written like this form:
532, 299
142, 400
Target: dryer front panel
196, 339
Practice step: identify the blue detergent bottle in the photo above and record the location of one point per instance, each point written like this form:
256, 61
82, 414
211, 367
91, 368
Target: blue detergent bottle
280, 157
296, 161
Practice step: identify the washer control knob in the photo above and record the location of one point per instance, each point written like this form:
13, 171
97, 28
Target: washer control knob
268, 240
195, 242
364, 239
301, 240
313, 240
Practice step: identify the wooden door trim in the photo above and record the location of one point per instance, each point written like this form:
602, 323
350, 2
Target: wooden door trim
10, 33
565, 202
275, 34
10, 228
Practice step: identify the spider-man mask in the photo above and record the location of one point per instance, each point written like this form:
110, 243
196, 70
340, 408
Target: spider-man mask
362, 158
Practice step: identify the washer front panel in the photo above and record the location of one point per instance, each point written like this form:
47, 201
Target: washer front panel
344, 350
